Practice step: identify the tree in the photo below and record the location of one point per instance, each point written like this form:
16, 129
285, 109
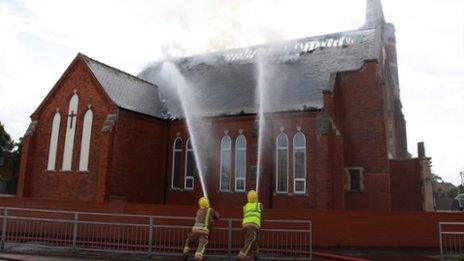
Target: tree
452, 193
17, 155
14, 149
6, 144
461, 174
436, 178
461, 188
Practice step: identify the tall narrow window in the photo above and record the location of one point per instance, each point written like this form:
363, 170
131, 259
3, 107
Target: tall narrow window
190, 167
226, 163
54, 142
299, 163
70, 131
85, 143
176, 158
282, 163
240, 163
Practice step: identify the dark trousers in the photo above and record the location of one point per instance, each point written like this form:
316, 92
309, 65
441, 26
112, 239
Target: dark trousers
251, 242
192, 239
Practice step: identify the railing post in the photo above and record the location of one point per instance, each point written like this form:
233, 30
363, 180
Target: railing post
229, 239
150, 237
310, 240
441, 242
74, 236
4, 226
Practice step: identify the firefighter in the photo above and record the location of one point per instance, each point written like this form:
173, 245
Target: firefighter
251, 224
200, 231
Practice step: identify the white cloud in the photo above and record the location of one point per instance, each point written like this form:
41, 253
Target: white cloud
38, 39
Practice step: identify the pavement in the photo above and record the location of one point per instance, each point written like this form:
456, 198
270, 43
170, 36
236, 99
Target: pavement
33, 253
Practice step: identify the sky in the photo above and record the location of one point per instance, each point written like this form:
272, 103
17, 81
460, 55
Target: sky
39, 39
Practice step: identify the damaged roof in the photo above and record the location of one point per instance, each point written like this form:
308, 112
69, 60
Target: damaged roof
295, 73
127, 91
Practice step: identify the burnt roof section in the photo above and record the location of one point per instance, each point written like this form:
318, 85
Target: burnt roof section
127, 91
296, 73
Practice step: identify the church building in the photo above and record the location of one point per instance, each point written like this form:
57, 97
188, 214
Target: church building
335, 134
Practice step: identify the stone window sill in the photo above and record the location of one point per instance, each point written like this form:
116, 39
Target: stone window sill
283, 194
180, 190
230, 192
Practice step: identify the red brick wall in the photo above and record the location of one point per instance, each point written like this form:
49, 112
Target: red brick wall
400, 130
317, 168
363, 125
330, 228
138, 171
376, 195
406, 184
71, 185
181, 196
337, 170
360, 115
232, 125
391, 79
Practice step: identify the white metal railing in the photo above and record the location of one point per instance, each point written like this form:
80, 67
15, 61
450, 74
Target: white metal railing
451, 236
146, 234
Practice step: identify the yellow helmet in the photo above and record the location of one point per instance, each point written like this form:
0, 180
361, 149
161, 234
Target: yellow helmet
203, 202
252, 196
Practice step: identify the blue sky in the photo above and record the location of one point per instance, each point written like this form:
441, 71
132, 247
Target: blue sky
38, 40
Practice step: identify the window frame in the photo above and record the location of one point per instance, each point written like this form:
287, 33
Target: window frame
186, 177
70, 135
244, 149
53, 143
277, 163
85, 151
348, 187
174, 151
295, 179
226, 136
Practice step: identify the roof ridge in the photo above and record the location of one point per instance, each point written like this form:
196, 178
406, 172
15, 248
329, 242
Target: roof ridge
116, 69
272, 43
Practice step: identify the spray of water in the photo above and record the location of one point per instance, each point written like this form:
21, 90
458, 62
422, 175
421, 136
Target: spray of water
261, 85
172, 76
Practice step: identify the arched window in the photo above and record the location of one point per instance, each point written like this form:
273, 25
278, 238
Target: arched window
176, 158
226, 163
240, 163
282, 163
54, 141
85, 142
299, 163
190, 167
70, 131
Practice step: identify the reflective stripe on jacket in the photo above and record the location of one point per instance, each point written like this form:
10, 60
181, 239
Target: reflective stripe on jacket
252, 214
202, 220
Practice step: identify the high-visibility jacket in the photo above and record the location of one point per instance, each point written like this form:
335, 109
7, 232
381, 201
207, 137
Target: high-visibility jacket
252, 214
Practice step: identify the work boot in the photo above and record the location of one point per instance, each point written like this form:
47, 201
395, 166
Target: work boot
198, 256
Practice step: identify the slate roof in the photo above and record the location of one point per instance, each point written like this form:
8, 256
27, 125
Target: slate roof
296, 72
127, 91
